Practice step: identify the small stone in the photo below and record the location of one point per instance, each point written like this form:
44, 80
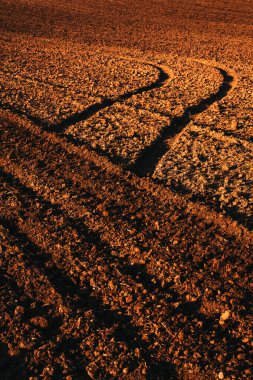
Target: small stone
224, 316
221, 376
125, 371
225, 168
137, 250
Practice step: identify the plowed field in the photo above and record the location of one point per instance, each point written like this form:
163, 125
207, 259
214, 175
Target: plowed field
126, 189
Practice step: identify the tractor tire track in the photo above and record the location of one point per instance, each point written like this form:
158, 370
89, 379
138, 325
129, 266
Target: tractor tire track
112, 242
76, 210
149, 158
165, 75
30, 225
100, 263
164, 78
74, 303
70, 164
72, 174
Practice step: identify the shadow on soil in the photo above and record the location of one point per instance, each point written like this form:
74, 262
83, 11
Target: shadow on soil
92, 109
14, 367
146, 163
150, 156
81, 296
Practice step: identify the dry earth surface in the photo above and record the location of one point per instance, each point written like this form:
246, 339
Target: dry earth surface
126, 189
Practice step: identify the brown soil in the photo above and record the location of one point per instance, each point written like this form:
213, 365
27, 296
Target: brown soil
126, 190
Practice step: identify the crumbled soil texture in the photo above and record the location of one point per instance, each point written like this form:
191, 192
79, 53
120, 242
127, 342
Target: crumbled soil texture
126, 189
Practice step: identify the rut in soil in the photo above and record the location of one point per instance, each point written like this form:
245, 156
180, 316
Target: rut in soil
93, 108
151, 155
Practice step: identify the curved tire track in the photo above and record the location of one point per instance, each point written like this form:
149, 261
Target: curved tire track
56, 170
151, 155
128, 274
149, 158
164, 77
28, 227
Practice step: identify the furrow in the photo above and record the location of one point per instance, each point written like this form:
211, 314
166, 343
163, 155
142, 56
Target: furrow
111, 326
104, 274
78, 172
30, 327
202, 263
152, 314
